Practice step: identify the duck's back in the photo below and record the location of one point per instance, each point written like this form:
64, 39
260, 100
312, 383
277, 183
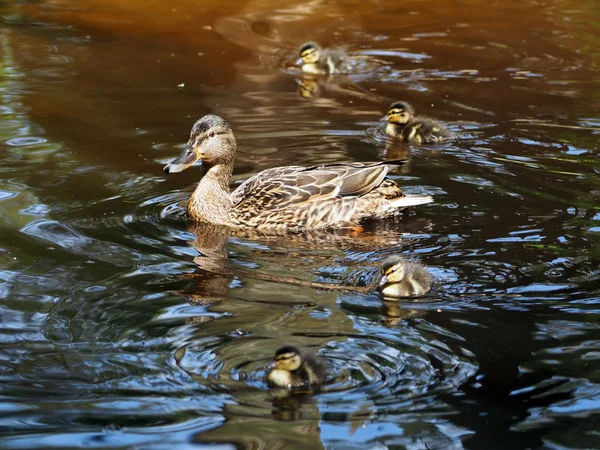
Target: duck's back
333, 195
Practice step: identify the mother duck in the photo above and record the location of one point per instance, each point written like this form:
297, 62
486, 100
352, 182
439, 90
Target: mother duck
290, 198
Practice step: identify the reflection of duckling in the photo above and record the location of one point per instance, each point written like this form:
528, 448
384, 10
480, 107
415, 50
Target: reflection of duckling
403, 124
395, 149
402, 278
293, 366
308, 88
395, 312
321, 61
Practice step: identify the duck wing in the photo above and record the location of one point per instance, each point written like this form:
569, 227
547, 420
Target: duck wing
285, 187
248, 186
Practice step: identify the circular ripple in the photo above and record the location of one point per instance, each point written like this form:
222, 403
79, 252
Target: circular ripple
375, 134
356, 367
24, 141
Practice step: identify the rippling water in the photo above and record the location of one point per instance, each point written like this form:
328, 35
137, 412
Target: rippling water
124, 326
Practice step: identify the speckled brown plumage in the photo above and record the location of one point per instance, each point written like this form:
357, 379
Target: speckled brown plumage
286, 198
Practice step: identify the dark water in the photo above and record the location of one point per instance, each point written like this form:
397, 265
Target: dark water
123, 326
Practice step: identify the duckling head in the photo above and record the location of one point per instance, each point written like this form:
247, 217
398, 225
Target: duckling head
393, 271
287, 358
400, 113
211, 141
310, 53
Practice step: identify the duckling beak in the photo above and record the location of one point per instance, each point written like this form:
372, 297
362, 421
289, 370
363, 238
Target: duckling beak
179, 164
383, 281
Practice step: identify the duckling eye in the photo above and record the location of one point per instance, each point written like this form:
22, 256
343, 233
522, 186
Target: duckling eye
211, 134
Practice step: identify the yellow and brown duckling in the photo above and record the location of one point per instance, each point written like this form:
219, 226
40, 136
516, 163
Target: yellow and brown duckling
320, 61
403, 278
404, 125
296, 367
290, 198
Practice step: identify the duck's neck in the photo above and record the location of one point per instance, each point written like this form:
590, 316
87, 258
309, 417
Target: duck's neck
211, 201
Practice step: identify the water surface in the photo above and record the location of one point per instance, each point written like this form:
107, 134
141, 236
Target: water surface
124, 326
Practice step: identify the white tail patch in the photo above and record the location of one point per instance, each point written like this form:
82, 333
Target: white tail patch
407, 201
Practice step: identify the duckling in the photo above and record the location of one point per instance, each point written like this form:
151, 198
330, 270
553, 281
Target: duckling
402, 278
403, 124
320, 61
293, 367
290, 198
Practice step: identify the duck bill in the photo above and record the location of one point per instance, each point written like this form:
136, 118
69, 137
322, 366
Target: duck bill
184, 161
383, 281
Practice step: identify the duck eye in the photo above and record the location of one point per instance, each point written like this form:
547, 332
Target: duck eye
211, 134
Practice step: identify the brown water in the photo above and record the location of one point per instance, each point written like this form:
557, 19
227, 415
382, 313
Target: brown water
123, 326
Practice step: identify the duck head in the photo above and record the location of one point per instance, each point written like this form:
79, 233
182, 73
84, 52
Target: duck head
211, 141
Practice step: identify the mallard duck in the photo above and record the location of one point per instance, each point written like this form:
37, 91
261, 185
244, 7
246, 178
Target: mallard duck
403, 125
402, 278
319, 61
293, 367
291, 198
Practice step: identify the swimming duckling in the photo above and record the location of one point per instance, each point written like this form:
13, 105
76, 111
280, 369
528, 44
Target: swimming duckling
320, 61
293, 367
402, 278
403, 124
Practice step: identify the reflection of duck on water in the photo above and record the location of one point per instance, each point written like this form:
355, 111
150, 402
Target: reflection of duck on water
313, 86
213, 277
319, 61
292, 198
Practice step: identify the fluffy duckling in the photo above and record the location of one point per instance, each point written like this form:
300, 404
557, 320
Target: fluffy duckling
294, 367
402, 278
403, 125
319, 61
